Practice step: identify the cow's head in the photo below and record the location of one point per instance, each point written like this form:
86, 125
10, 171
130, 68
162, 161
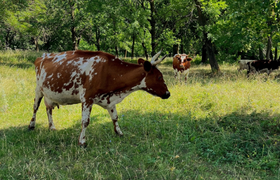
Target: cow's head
183, 60
154, 82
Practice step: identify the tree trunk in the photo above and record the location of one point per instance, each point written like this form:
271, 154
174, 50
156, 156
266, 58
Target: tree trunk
73, 29
117, 51
182, 48
153, 27
132, 48
7, 39
175, 49
260, 53
74, 39
269, 44
204, 54
212, 58
275, 55
125, 53
36, 44
202, 19
97, 40
78, 42
145, 50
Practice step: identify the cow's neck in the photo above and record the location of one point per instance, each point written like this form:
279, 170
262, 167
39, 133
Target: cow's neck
128, 79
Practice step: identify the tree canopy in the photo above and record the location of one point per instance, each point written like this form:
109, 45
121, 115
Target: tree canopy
218, 30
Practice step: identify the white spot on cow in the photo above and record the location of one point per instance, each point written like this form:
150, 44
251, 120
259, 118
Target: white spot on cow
50, 76
95, 59
43, 56
73, 74
48, 55
58, 58
42, 76
142, 84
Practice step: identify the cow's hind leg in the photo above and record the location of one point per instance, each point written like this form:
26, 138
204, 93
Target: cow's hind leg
86, 110
49, 113
37, 101
114, 116
49, 107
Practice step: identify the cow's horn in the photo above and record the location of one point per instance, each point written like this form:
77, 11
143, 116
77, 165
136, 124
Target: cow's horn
154, 58
154, 61
159, 61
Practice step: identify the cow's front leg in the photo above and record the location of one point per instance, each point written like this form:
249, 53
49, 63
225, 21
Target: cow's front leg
186, 74
35, 109
86, 110
175, 73
114, 116
37, 101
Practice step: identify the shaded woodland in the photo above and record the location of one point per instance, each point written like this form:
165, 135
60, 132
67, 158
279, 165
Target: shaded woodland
215, 30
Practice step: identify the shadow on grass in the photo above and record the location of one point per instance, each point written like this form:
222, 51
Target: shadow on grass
249, 140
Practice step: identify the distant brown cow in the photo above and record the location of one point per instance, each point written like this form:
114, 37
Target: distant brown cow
89, 78
181, 64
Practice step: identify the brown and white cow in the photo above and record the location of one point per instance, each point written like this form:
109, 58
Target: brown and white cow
181, 64
89, 78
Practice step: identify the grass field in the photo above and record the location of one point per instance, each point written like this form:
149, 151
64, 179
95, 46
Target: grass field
213, 127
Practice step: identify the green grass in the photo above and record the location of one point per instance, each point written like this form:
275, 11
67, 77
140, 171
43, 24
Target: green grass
213, 127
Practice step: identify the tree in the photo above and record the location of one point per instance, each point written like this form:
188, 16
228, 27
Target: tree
206, 19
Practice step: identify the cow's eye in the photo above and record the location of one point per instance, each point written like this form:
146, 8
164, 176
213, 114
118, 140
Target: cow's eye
160, 78
178, 58
185, 60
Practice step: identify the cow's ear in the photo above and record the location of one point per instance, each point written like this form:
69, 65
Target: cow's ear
147, 66
189, 59
140, 61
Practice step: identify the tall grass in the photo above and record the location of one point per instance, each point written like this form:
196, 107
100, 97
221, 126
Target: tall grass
212, 127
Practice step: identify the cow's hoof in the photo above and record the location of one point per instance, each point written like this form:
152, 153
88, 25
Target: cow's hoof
31, 128
120, 135
83, 145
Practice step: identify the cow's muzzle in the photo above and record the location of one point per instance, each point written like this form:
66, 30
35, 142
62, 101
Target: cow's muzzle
166, 96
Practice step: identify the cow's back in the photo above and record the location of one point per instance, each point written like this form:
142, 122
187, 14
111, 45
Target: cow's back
63, 76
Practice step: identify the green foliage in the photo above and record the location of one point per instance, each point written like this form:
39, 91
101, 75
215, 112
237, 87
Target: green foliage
86, 46
234, 27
